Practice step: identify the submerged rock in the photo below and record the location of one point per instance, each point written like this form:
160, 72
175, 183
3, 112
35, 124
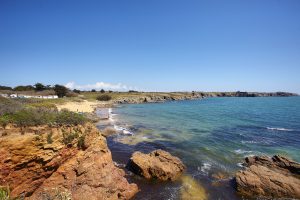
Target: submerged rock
158, 164
54, 163
276, 177
191, 189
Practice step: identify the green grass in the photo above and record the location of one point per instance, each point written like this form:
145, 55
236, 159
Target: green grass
49, 138
4, 193
69, 137
80, 142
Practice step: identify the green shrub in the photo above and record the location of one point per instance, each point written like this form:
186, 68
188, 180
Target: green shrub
60, 90
80, 143
40, 116
49, 138
4, 193
43, 104
67, 117
32, 112
4, 120
71, 94
33, 117
69, 137
9, 106
103, 97
76, 91
26, 117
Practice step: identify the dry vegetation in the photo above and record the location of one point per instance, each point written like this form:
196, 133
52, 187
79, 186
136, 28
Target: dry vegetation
30, 112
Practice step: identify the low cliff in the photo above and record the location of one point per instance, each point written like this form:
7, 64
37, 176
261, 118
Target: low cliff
157, 97
70, 161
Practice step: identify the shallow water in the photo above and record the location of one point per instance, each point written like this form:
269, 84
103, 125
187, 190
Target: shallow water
211, 136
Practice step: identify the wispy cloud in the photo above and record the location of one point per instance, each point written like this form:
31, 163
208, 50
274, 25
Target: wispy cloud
100, 85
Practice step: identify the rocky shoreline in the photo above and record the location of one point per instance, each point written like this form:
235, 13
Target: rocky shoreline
265, 177
44, 162
163, 97
71, 162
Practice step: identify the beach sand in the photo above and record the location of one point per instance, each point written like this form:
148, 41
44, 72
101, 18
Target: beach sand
83, 106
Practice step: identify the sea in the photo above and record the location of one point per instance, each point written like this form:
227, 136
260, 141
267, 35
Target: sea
212, 136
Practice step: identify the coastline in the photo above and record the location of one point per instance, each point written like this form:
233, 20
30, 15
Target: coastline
203, 175
89, 106
210, 177
187, 187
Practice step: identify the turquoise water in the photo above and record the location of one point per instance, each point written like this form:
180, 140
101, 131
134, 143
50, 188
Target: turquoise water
210, 136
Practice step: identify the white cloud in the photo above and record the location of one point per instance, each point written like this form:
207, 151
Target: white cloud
99, 86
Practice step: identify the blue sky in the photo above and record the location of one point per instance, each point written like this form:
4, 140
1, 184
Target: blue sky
153, 45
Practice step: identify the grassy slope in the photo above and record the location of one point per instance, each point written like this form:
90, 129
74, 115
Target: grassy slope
117, 95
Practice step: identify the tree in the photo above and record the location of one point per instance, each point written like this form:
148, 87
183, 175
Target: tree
60, 90
102, 91
5, 87
133, 91
24, 88
48, 87
39, 87
76, 91
93, 90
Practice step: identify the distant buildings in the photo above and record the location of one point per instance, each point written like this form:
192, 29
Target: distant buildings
22, 96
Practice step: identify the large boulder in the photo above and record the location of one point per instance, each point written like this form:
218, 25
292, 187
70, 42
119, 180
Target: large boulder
158, 164
47, 165
276, 177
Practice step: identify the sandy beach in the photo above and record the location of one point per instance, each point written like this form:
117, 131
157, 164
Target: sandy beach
84, 106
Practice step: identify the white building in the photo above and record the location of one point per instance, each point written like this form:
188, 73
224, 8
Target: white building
29, 96
4, 95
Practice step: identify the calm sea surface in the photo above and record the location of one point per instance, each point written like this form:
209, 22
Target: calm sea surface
211, 136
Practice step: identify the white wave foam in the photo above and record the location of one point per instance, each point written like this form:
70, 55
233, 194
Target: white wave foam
119, 164
205, 167
240, 165
279, 129
118, 128
126, 132
240, 151
249, 142
110, 115
122, 130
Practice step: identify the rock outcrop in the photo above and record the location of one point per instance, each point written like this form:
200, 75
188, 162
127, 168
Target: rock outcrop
276, 177
158, 164
158, 97
71, 161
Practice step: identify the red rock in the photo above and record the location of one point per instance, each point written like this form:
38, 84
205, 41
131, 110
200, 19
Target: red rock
33, 168
158, 164
276, 177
